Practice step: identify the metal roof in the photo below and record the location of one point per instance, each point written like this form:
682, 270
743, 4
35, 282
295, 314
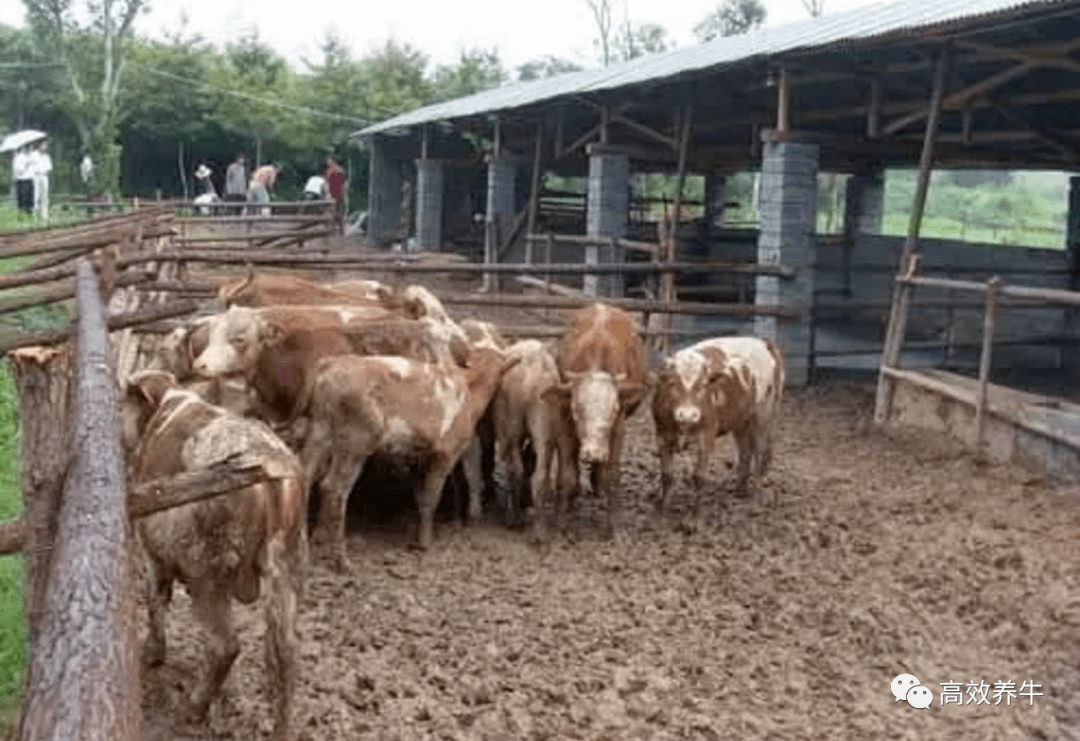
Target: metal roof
904, 17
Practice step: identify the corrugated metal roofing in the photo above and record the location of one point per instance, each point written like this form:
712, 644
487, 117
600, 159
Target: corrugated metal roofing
861, 24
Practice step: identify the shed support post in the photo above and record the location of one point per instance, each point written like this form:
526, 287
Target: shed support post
501, 191
384, 194
894, 336
607, 214
788, 204
430, 183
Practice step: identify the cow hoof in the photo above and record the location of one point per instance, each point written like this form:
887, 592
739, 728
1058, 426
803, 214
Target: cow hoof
153, 654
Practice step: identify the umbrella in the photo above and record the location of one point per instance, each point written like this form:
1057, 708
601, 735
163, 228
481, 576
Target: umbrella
20, 139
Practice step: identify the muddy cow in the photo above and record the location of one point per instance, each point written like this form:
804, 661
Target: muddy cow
275, 350
716, 387
522, 414
259, 290
249, 542
421, 412
602, 363
176, 353
479, 460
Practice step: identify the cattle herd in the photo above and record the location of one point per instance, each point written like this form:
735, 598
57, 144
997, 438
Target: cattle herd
309, 381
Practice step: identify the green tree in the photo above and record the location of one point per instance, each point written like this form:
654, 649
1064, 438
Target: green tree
634, 41
731, 18
90, 42
393, 80
549, 66
477, 70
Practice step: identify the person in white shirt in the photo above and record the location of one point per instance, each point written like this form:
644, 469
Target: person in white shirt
86, 169
316, 188
24, 179
42, 166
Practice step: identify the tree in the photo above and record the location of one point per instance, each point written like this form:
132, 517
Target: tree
731, 18
549, 66
393, 80
814, 7
477, 70
601, 10
92, 54
635, 41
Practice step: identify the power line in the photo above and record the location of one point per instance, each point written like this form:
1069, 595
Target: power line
248, 96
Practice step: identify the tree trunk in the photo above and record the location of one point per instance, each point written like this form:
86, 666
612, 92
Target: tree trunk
83, 677
44, 378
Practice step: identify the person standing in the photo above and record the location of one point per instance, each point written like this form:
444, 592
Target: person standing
24, 179
262, 182
42, 166
315, 189
236, 181
86, 170
335, 183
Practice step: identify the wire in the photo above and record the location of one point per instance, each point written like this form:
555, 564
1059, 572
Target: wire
249, 96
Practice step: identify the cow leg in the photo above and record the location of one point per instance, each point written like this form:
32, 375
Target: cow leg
569, 477
335, 488
486, 435
472, 466
283, 592
668, 446
427, 499
706, 441
213, 608
159, 593
744, 443
515, 470
610, 479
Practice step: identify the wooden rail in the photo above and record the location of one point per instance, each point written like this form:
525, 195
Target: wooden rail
83, 673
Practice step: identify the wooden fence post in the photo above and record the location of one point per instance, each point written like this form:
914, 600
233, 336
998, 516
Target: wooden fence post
83, 677
43, 375
993, 290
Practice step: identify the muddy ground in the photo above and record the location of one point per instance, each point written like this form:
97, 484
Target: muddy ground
882, 552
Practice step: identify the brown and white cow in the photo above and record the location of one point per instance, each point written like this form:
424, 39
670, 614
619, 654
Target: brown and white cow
523, 414
602, 361
425, 412
275, 353
479, 460
716, 387
259, 290
246, 543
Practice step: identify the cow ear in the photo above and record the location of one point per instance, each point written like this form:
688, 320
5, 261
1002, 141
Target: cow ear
557, 393
631, 394
150, 386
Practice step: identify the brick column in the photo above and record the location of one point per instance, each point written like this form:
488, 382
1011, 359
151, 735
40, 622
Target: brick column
430, 182
501, 191
607, 213
384, 194
788, 203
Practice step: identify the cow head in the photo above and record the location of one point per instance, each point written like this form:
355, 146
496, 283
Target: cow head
597, 401
232, 344
179, 349
691, 380
142, 396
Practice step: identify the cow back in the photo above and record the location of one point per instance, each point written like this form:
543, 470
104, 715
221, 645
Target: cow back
604, 338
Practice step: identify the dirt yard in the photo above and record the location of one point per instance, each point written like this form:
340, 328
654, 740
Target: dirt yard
885, 552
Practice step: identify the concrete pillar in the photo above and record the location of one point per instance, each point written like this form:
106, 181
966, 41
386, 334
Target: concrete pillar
607, 212
501, 194
430, 182
715, 198
788, 203
864, 204
384, 194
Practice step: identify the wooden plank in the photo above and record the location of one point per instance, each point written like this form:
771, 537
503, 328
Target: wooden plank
630, 304
65, 293
115, 323
169, 492
83, 672
989, 318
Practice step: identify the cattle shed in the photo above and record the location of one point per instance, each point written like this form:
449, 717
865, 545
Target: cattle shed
955, 85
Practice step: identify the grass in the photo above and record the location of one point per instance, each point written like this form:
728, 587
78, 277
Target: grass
12, 608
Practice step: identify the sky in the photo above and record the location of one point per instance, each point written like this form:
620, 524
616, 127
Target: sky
521, 31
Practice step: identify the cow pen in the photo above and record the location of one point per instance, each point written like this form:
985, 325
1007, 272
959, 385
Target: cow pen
766, 620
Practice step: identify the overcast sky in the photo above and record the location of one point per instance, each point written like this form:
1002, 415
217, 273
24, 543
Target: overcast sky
520, 30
